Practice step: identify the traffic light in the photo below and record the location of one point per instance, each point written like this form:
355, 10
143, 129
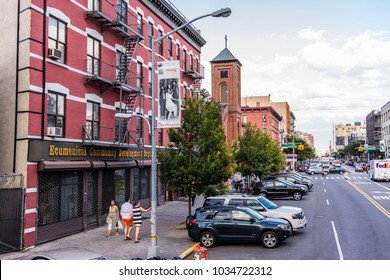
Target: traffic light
301, 147
360, 149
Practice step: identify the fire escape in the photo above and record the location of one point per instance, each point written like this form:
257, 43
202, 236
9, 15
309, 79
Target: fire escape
116, 18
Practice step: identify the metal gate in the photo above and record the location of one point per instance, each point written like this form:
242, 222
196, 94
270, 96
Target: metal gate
12, 197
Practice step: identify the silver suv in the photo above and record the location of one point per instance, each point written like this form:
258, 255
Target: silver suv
294, 215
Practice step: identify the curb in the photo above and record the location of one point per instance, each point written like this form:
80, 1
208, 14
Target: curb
188, 251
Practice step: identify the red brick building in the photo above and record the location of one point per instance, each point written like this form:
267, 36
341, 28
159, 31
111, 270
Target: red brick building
264, 118
73, 66
226, 88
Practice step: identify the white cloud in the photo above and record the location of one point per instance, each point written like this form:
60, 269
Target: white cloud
309, 34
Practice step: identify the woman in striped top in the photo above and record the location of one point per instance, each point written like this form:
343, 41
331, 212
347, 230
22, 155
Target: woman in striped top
137, 219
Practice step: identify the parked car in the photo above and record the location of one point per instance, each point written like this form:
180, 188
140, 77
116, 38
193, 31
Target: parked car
279, 188
68, 253
295, 178
335, 169
359, 167
214, 224
294, 215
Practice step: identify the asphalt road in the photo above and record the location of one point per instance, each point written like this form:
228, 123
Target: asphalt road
347, 219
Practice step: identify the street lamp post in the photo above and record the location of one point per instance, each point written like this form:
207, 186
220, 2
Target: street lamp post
154, 249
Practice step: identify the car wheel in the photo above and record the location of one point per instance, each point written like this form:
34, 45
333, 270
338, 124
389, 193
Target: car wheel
312, 173
263, 194
269, 239
208, 239
297, 196
341, 172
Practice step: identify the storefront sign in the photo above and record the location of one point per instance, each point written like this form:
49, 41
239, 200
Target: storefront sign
50, 150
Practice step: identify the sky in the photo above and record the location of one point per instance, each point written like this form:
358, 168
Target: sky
329, 59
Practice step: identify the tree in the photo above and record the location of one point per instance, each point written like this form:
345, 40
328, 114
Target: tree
258, 153
352, 148
197, 158
307, 153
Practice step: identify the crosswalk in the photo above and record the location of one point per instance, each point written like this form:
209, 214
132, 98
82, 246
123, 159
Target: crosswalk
330, 177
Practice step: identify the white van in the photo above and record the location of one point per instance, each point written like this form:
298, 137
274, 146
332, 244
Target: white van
379, 170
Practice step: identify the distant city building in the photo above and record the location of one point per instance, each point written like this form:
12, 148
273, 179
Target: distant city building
307, 136
385, 125
283, 109
264, 118
374, 128
343, 134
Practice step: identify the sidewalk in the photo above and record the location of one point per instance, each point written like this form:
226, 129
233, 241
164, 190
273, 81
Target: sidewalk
172, 240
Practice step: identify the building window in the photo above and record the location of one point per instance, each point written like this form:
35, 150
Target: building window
169, 48
140, 130
177, 52
56, 112
224, 74
224, 94
150, 34
121, 11
264, 130
244, 120
160, 137
150, 81
93, 57
185, 60
140, 75
121, 67
191, 63
160, 44
93, 120
94, 5
264, 118
57, 38
257, 104
140, 23
197, 65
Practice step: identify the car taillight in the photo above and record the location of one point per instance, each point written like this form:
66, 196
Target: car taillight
192, 221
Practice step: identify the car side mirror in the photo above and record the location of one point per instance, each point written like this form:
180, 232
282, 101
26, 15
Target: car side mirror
252, 220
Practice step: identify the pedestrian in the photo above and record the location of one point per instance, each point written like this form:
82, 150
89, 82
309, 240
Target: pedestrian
112, 218
137, 212
323, 172
193, 196
127, 218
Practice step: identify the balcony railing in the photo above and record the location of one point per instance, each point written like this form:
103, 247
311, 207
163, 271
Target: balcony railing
106, 74
112, 16
195, 71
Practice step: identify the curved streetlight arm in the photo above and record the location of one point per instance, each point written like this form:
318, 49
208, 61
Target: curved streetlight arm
224, 12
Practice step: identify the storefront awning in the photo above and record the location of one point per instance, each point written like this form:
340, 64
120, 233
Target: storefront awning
63, 165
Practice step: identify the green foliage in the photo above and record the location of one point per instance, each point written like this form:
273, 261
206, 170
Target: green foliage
259, 154
218, 189
307, 153
197, 157
352, 148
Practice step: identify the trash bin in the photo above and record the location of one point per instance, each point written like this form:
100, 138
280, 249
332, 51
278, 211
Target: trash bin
199, 253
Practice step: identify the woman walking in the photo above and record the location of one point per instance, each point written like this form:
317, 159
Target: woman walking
112, 218
137, 212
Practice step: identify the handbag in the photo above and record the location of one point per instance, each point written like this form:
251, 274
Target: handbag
120, 225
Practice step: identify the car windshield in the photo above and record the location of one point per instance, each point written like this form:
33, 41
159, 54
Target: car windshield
267, 204
254, 213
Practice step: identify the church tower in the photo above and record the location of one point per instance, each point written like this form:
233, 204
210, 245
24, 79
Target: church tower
226, 88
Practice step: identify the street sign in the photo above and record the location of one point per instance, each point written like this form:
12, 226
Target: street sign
369, 148
291, 146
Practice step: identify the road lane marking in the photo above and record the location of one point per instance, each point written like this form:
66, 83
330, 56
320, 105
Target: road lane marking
336, 237
324, 190
327, 202
369, 198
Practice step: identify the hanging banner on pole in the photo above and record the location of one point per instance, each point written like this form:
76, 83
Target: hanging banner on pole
169, 113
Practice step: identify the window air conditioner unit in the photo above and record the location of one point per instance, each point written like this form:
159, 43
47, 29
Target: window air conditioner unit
55, 54
54, 131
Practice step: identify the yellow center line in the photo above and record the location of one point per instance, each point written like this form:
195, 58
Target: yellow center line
369, 198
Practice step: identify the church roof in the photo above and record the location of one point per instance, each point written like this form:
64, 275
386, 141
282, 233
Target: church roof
225, 56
